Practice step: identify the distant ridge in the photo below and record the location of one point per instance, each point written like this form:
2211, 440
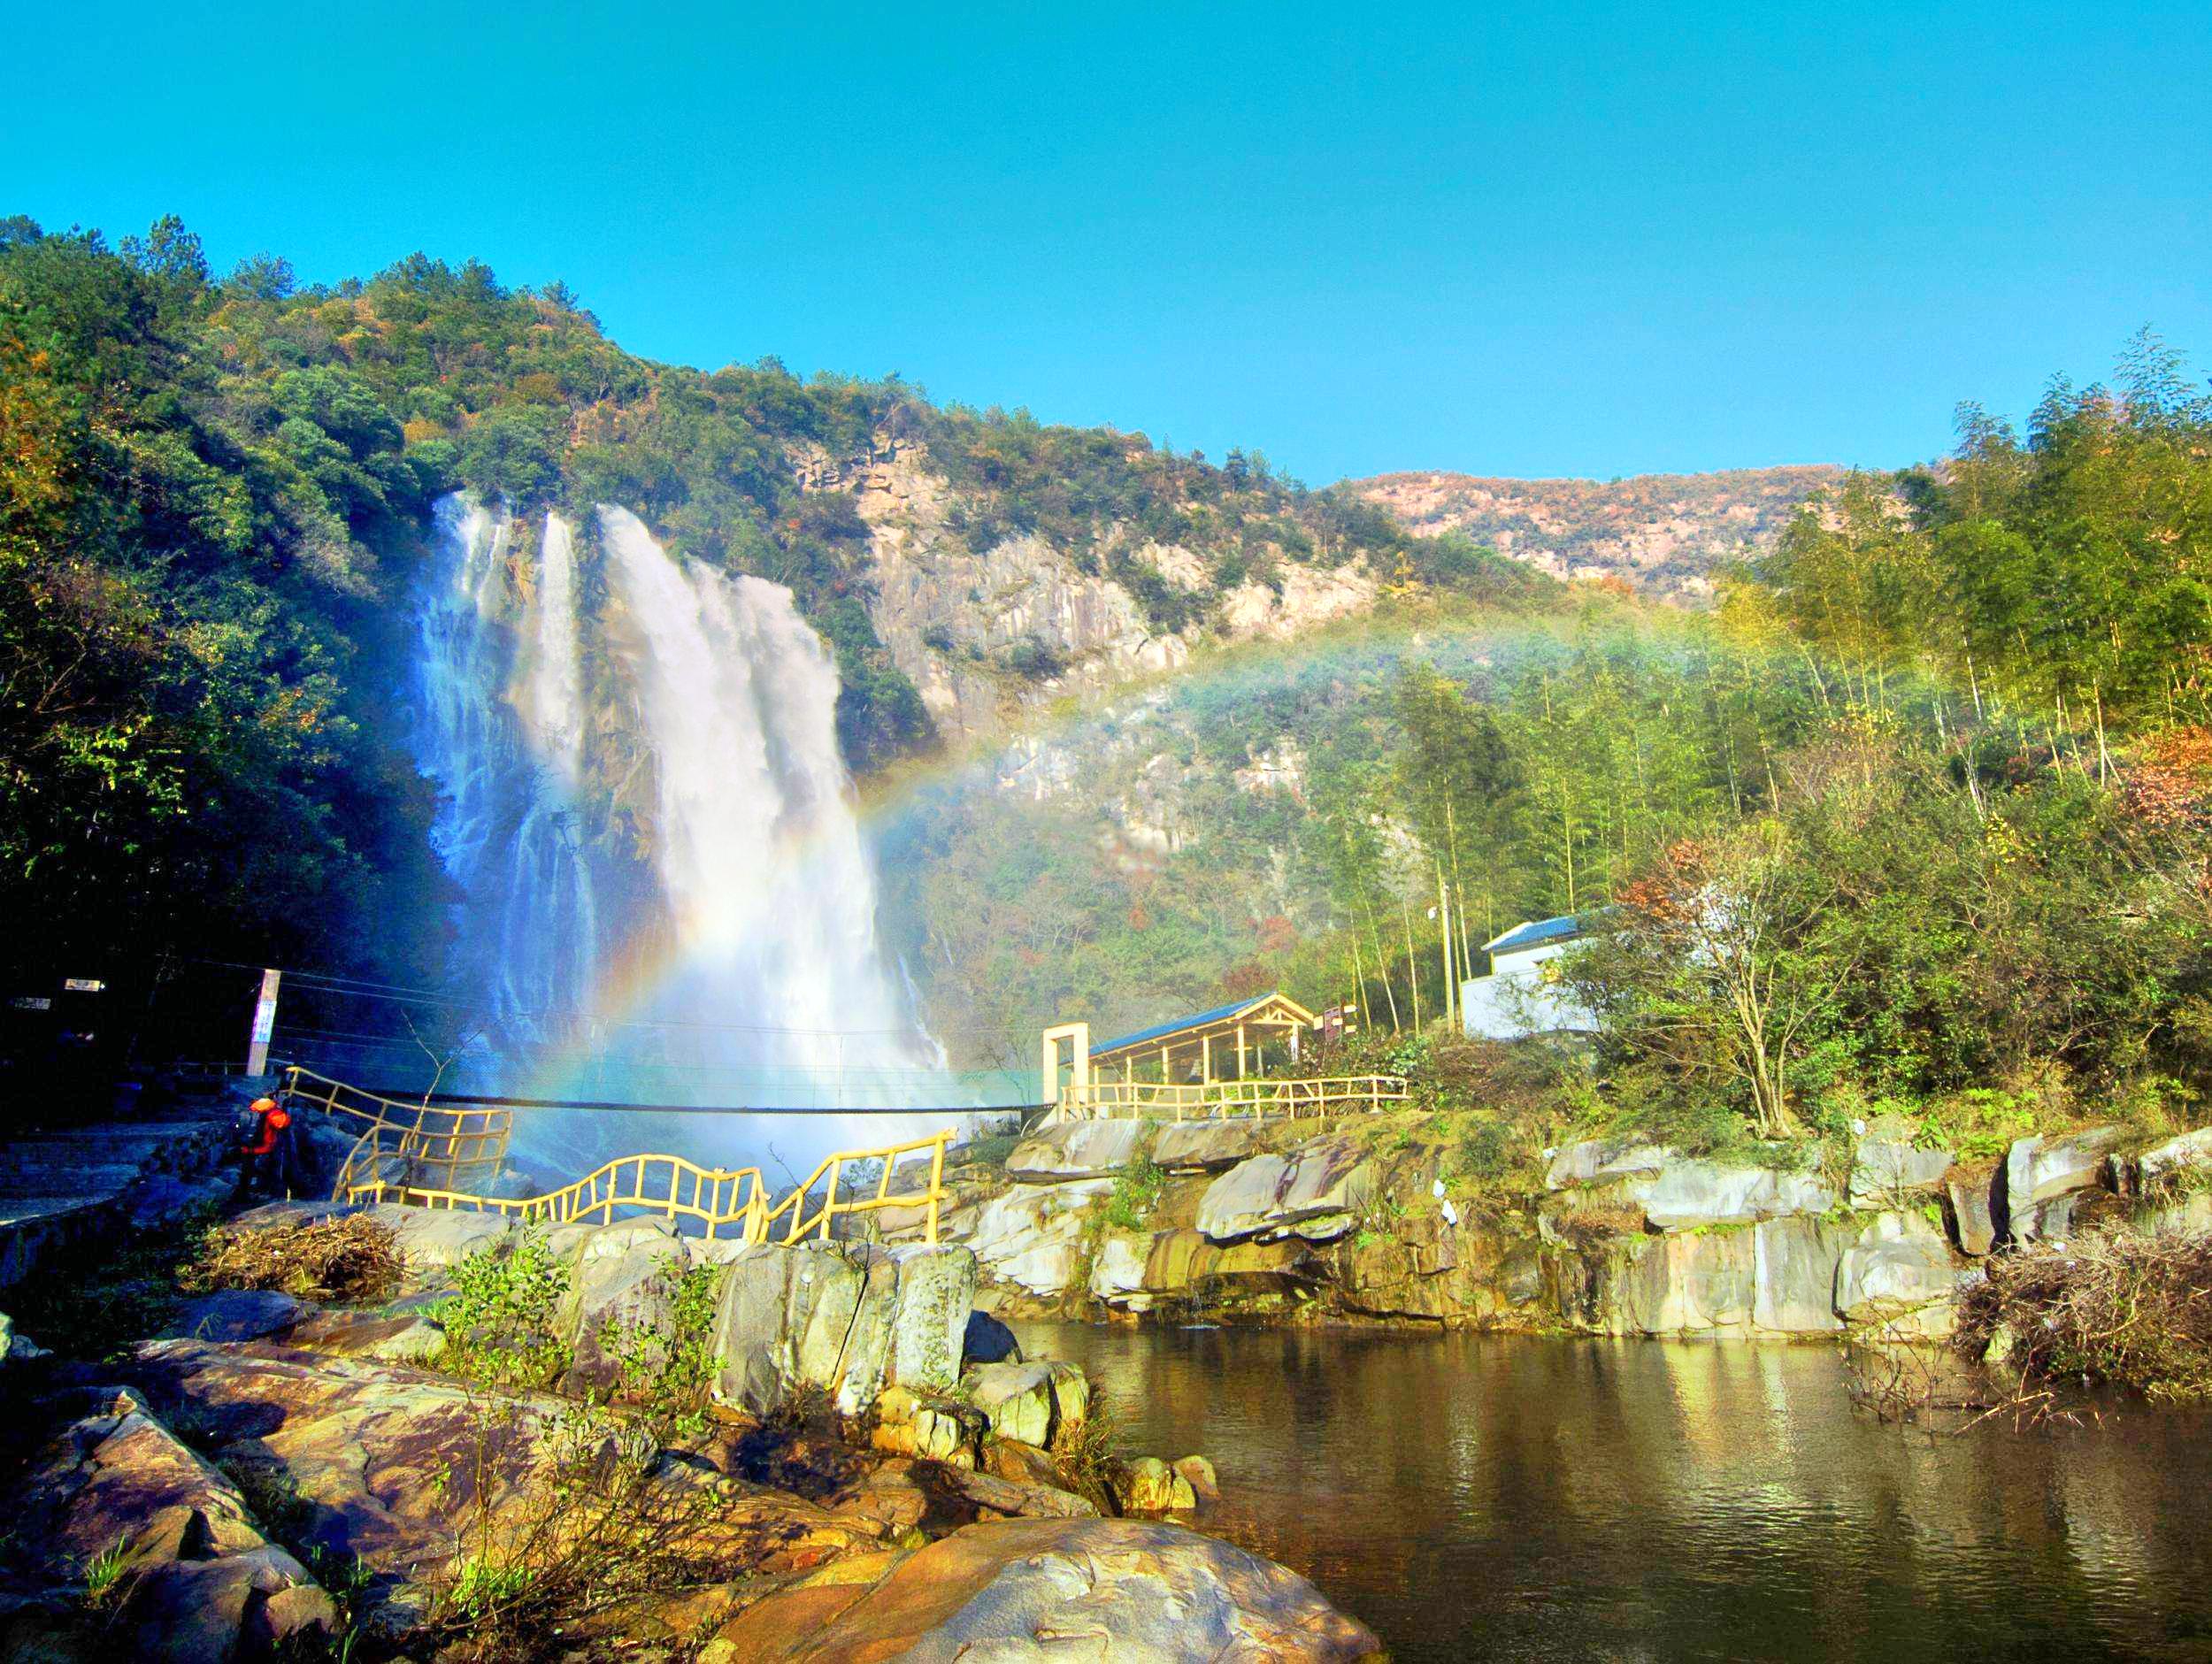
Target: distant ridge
1663, 533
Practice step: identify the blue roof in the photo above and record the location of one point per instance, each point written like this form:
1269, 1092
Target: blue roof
1160, 1031
1537, 933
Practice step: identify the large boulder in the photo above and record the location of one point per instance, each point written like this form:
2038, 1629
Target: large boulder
1148, 1485
619, 1292
432, 1240
1969, 1192
1035, 1403
936, 1291
1887, 1166
1076, 1150
1793, 1278
2046, 1178
2176, 1156
1118, 1270
1693, 1195
987, 1340
1900, 1274
849, 1319
1679, 1284
197, 1580
1315, 1190
1017, 1590
1033, 1235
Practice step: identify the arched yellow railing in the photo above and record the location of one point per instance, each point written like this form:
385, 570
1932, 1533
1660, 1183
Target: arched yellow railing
396, 1160
411, 1141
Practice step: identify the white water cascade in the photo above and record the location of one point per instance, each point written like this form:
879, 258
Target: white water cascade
665, 893
527, 923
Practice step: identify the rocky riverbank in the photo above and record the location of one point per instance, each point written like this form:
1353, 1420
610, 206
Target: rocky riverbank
1373, 1218
703, 1451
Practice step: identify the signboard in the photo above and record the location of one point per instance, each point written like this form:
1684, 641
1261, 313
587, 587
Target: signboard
83, 985
32, 1002
264, 1023
1333, 1023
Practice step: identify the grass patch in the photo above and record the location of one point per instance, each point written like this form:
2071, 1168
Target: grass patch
1136, 1191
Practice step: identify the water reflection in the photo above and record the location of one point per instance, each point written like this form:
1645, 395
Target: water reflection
1488, 1497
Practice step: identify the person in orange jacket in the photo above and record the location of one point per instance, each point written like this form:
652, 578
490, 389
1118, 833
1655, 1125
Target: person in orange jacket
267, 1151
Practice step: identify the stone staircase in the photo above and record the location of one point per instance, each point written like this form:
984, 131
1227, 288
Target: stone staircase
61, 1186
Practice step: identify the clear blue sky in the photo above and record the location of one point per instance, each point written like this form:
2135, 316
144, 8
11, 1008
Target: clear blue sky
1518, 240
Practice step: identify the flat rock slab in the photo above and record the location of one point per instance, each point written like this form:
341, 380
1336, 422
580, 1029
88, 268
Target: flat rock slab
1328, 1180
390, 1463
1690, 1195
197, 1580
1017, 1590
237, 1314
1604, 1161
1076, 1150
1208, 1146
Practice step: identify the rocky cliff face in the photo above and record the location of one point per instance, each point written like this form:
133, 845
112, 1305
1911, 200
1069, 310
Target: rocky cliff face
1664, 533
988, 635
1273, 1222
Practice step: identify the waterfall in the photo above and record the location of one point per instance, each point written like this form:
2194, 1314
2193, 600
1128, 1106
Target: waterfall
665, 895
770, 893
526, 925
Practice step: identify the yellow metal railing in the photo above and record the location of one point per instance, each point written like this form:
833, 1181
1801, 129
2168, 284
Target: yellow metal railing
403, 1145
665, 1185
717, 1198
804, 1224
1258, 1099
412, 1139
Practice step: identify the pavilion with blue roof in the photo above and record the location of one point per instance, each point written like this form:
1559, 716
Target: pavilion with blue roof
1210, 1063
1203, 1047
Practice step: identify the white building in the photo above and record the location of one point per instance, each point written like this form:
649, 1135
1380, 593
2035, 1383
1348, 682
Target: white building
1520, 997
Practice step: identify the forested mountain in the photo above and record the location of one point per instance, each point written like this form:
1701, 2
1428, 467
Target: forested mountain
1665, 534
213, 496
1139, 726
1918, 818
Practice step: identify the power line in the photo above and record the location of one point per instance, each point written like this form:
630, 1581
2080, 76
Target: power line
350, 988
467, 1100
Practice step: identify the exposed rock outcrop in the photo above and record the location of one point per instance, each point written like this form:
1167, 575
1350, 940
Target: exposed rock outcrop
185, 1573
1038, 1590
2046, 1179
1316, 1192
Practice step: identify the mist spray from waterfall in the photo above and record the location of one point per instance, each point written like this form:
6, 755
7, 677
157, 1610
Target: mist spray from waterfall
666, 896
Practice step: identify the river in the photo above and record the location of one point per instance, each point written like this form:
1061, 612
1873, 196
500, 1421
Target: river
1500, 1496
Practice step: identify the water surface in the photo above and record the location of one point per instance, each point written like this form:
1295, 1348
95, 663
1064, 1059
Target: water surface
1490, 1497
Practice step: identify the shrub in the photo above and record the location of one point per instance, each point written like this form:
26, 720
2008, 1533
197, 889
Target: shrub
1136, 1190
2127, 1307
500, 1325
